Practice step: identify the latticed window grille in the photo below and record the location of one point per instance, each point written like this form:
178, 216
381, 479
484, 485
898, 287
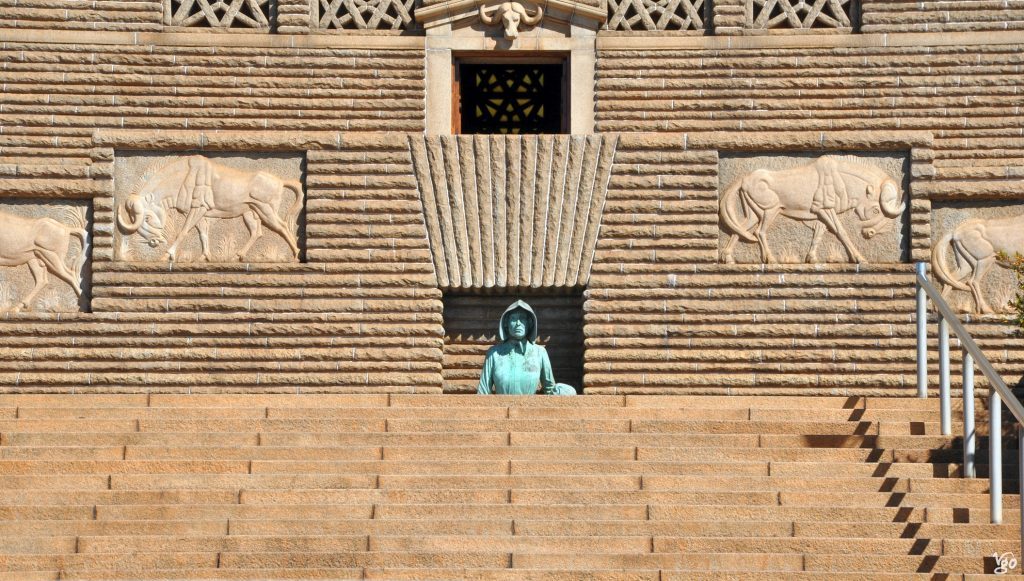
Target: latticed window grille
363, 14
657, 14
218, 13
511, 99
799, 14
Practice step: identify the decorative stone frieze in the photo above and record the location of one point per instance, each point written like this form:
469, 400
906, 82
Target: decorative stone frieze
363, 14
784, 206
218, 13
642, 15
44, 248
510, 211
968, 238
799, 14
194, 208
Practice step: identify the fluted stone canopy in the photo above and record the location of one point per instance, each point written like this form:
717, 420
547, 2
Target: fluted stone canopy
512, 211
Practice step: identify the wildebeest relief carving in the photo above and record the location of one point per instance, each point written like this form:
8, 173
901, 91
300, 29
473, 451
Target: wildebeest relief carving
43, 243
975, 246
816, 193
202, 190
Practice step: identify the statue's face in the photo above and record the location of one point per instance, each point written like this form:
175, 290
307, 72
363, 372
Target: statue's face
517, 325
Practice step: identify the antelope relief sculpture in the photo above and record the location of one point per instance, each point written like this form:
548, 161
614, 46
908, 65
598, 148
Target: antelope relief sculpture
43, 244
816, 193
202, 190
976, 246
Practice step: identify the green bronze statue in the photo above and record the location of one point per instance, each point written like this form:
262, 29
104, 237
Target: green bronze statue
517, 365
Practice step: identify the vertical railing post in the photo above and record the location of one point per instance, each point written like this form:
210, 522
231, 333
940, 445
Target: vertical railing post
995, 457
1020, 480
922, 333
944, 405
970, 434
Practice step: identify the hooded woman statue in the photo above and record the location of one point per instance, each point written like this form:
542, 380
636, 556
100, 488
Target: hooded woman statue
517, 365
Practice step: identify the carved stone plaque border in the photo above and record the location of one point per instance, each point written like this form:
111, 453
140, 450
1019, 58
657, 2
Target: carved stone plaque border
45, 248
248, 207
816, 207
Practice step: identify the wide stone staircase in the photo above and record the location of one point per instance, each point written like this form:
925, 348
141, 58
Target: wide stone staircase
431, 487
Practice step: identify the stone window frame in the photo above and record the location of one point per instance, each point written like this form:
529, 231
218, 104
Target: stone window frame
523, 57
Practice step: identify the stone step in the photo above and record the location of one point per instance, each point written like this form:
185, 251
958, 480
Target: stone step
681, 483
779, 454
29, 575
42, 528
251, 482
137, 563
124, 466
520, 467
73, 439
875, 499
473, 413
634, 575
319, 526
78, 400
484, 558
397, 512
351, 543
517, 438
821, 514
94, 497
778, 564
888, 563
923, 442
878, 469
490, 453
54, 482
218, 574
533, 496
223, 543
750, 401
926, 530
804, 545
354, 455
107, 453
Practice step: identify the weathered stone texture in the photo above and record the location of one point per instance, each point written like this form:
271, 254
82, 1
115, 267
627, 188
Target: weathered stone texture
362, 315
510, 211
969, 98
135, 15
941, 15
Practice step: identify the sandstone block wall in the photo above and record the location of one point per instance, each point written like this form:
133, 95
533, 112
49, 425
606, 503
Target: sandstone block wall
363, 311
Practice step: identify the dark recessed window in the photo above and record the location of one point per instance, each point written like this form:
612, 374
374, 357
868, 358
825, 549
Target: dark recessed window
508, 98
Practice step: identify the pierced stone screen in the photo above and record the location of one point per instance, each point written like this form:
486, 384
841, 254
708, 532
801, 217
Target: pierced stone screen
218, 13
511, 98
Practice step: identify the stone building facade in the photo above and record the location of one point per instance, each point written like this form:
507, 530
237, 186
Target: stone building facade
320, 196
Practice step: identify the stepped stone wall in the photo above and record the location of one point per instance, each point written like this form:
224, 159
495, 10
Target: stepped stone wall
362, 308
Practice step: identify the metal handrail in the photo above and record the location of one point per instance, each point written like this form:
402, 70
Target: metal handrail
999, 394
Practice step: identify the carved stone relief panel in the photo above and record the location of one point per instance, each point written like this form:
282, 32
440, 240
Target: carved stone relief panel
813, 208
966, 239
215, 208
44, 255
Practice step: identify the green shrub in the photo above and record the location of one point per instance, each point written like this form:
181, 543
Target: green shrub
1016, 264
